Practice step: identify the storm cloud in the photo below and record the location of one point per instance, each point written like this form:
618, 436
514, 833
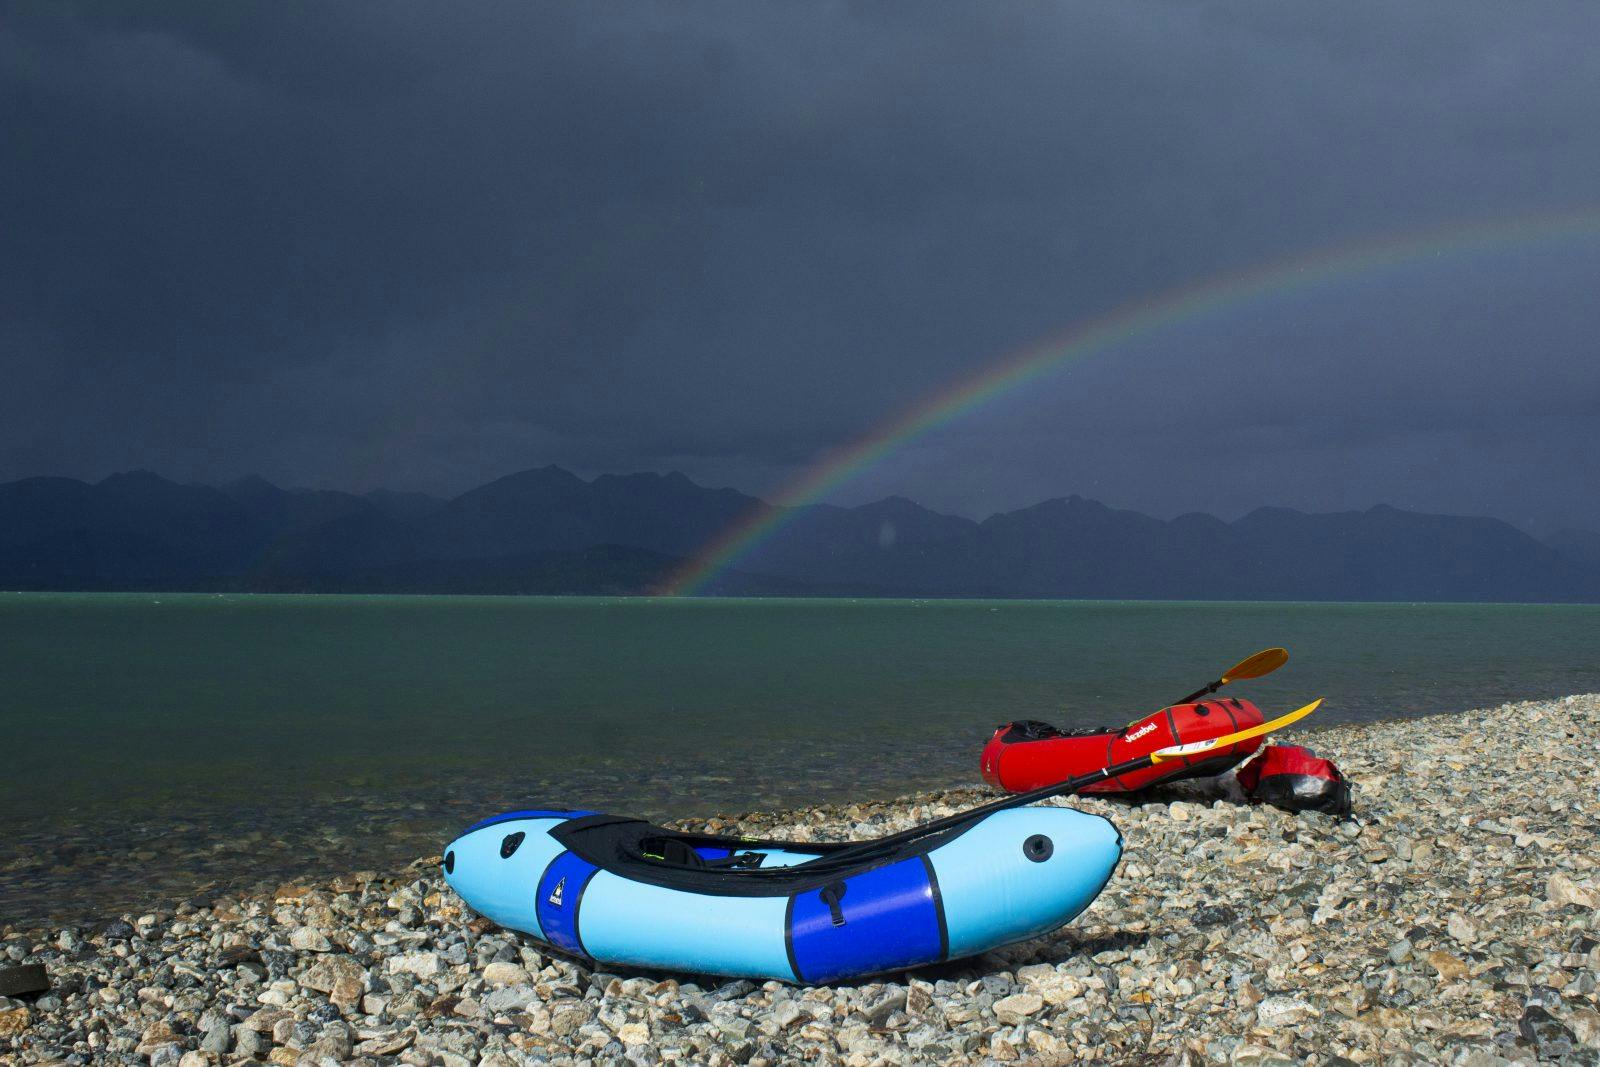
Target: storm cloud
421, 245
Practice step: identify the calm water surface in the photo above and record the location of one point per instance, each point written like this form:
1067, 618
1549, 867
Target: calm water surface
154, 743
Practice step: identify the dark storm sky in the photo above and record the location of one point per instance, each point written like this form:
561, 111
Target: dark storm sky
423, 245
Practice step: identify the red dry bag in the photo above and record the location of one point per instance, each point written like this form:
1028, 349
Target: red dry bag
1296, 779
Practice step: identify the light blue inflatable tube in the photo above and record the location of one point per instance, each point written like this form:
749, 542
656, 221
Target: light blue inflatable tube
622, 892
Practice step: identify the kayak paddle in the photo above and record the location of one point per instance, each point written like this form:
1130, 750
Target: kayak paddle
859, 849
1262, 663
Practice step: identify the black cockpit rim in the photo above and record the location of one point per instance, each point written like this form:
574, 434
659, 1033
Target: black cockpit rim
614, 843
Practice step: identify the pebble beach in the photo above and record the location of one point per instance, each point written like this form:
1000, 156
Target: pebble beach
1455, 918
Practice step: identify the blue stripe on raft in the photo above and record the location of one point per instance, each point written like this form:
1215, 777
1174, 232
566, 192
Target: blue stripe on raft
706, 852
643, 925
890, 922
510, 815
560, 893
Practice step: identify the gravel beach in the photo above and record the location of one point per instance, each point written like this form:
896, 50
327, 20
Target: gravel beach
1454, 919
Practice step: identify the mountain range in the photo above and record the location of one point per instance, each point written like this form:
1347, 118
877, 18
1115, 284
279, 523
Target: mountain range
550, 531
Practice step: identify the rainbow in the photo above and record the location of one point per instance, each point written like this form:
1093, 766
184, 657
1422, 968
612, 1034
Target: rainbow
1100, 334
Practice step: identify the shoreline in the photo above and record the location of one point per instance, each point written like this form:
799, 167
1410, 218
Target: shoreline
178, 851
1453, 919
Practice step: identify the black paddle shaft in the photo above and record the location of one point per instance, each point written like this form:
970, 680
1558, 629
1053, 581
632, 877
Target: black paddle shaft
863, 849
1198, 693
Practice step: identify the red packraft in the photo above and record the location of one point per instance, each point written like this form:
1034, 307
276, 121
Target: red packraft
1027, 755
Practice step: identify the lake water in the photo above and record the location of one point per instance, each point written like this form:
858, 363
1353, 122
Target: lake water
155, 743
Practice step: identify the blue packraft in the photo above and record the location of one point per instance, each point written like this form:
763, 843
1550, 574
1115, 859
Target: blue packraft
621, 891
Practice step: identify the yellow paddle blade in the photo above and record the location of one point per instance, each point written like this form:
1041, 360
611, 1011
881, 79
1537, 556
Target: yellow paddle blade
1196, 748
1263, 662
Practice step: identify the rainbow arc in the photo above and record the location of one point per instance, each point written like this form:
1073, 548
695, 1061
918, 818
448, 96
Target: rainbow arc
1104, 333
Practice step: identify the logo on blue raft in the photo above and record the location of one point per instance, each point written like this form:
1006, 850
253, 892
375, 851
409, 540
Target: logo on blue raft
558, 903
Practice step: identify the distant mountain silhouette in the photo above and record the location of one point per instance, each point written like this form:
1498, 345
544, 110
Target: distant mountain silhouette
1074, 547
401, 505
849, 544
549, 531
551, 509
129, 531
1580, 545
279, 511
601, 570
